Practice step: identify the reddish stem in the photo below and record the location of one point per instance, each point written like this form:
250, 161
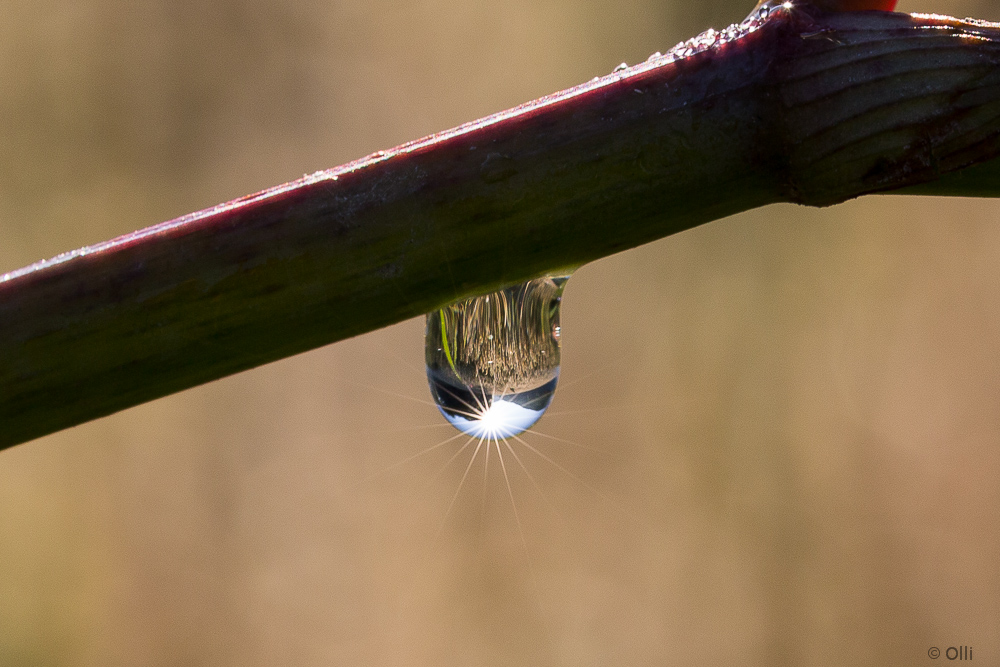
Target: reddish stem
806, 106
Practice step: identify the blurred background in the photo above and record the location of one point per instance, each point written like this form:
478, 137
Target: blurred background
775, 443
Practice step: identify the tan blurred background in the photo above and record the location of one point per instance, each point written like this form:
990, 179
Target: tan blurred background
785, 425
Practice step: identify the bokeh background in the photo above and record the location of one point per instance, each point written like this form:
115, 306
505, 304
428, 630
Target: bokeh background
776, 442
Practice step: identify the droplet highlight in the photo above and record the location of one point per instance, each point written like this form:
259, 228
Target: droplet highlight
493, 360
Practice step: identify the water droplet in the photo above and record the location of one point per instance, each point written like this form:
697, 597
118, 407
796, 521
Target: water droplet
493, 360
654, 56
621, 67
764, 9
708, 38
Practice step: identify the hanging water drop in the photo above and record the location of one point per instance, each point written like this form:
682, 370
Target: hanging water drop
493, 360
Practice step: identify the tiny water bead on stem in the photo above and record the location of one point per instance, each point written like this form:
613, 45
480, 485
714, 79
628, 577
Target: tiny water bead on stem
493, 360
838, 5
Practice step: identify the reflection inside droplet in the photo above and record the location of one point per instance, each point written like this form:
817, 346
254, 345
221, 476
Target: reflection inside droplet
493, 360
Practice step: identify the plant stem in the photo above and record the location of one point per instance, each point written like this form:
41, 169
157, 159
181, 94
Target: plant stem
808, 107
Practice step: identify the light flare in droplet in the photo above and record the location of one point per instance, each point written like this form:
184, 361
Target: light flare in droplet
499, 420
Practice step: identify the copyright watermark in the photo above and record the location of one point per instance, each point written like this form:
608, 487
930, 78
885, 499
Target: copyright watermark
950, 653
